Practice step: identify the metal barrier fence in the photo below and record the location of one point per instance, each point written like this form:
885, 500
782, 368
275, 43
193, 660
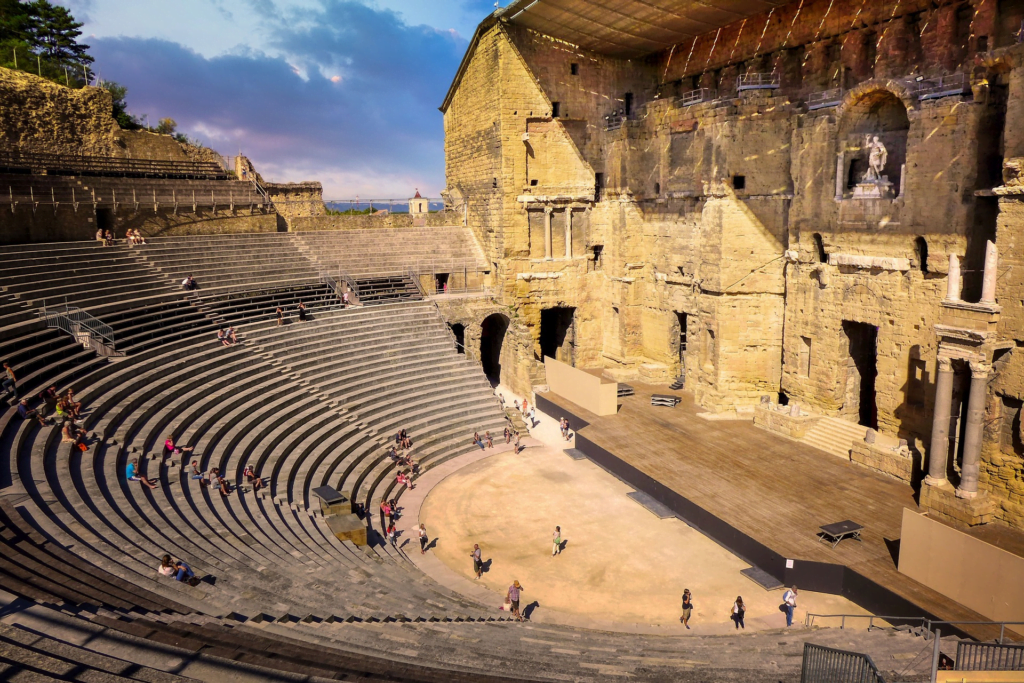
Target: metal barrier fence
829, 665
989, 657
925, 623
825, 98
88, 330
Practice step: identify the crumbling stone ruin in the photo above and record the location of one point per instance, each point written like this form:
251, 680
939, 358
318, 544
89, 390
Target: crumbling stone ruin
819, 205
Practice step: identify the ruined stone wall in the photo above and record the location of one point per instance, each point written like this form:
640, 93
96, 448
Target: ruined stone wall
142, 144
378, 220
42, 116
295, 200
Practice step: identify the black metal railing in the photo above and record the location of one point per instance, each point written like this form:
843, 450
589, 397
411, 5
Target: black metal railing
829, 665
989, 657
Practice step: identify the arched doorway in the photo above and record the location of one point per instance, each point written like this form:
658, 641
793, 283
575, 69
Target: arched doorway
492, 335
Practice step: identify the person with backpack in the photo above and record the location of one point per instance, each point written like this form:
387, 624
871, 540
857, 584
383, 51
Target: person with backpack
738, 610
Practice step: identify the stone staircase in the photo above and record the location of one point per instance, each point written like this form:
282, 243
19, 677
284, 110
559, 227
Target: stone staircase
834, 436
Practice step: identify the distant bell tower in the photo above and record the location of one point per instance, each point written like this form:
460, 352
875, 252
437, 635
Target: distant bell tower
418, 205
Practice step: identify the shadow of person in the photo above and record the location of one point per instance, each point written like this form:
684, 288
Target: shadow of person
561, 546
403, 544
432, 544
528, 610
485, 566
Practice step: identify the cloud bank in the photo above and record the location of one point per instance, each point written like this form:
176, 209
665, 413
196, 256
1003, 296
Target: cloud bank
343, 93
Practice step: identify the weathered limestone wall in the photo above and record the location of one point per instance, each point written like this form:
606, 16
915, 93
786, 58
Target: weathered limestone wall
297, 200
142, 144
380, 220
736, 216
42, 116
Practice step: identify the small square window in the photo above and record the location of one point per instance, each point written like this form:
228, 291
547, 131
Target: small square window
533, 182
982, 43
574, 69
739, 182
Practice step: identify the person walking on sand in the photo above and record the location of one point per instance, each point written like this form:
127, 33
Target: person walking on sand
789, 603
738, 609
556, 542
478, 564
423, 539
513, 599
687, 607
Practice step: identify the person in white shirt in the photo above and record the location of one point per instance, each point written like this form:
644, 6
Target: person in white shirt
789, 602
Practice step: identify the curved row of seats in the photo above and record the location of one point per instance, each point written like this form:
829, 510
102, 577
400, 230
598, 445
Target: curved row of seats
304, 404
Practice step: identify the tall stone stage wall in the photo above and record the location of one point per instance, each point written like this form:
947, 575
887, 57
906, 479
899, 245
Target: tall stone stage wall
731, 238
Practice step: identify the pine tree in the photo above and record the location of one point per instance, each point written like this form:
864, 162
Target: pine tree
53, 34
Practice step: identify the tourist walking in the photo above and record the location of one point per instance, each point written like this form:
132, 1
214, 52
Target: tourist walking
280, 316
478, 564
517, 448
508, 435
392, 535
513, 599
556, 542
302, 312
10, 383
789, 604
423, 539
738, 609
687, 607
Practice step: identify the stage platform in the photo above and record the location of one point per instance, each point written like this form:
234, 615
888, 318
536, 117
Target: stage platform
764, 496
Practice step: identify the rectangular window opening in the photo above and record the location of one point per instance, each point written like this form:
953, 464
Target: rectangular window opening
574, 69
739, 182
556, 108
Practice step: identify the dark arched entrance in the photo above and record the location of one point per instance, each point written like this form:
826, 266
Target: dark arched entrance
492, 334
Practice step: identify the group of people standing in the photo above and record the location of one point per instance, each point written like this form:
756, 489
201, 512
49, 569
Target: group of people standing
739, 609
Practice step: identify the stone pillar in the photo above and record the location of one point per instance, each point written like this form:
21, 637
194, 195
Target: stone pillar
841, 175
988, 285
547, 233
568, 232
953, 279
972, 435
940, 424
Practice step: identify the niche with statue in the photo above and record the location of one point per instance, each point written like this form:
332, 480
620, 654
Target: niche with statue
873, 147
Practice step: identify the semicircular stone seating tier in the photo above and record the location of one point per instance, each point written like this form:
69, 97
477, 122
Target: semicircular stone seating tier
304, 404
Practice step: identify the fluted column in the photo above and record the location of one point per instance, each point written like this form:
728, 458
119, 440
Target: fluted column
547, 233
972, 435
939, 450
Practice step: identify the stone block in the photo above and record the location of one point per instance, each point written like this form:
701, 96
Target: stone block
782, 421
347, 528
941, 502
898, 463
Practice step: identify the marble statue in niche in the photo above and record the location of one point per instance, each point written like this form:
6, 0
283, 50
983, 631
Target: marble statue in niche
874, 184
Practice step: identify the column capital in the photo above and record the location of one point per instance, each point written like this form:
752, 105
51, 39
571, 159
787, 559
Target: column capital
945, 364
548, 210
980, 369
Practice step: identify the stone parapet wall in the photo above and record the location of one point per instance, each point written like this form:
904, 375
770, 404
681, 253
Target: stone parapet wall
297, 200
378, 220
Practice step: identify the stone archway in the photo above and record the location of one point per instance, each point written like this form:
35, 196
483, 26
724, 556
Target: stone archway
492, 337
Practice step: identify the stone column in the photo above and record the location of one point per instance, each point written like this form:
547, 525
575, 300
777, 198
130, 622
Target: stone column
547, 233
972, 435
939, 449
988, 285
841, 175
953, 279
568, 232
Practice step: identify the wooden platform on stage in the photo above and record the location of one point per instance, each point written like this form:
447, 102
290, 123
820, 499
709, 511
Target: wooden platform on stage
773, 490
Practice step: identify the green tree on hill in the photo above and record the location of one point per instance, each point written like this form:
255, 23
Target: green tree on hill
42, 38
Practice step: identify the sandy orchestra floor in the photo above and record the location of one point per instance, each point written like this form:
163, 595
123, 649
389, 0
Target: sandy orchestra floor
620, 561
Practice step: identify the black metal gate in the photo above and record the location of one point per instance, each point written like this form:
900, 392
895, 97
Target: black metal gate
989, 657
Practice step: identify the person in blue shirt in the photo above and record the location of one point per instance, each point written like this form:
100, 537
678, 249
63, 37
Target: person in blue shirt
133, 474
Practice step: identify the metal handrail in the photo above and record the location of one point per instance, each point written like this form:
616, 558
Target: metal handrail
823, 664
74, 321
825, 98
925, 621
697, 96
758, 81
